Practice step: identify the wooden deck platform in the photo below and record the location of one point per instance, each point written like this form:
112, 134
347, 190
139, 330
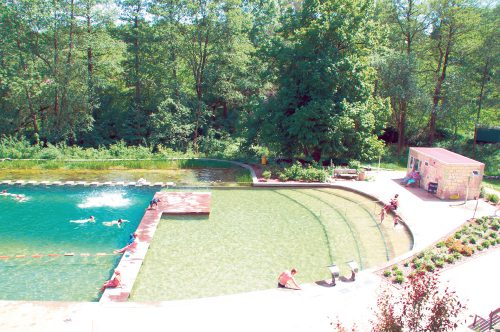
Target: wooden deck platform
170, 203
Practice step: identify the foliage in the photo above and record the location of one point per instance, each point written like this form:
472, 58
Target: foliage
266, 175
308, 79
421, 306
298, 173
493, 198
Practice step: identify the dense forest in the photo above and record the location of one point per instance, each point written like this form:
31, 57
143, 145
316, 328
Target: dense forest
317, 79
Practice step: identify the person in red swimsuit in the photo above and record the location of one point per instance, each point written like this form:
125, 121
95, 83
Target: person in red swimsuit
113, 282
286, 277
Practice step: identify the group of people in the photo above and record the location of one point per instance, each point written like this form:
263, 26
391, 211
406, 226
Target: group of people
91, 219
19, 197
116, 279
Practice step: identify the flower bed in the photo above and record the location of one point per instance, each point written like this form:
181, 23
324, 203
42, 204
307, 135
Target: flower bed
473, 237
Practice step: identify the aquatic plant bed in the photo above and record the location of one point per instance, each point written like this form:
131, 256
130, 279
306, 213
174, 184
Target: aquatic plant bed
473, 238
190, 172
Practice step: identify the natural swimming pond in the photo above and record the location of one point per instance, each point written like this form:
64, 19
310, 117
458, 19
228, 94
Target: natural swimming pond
253, 234
50, 221
250, 235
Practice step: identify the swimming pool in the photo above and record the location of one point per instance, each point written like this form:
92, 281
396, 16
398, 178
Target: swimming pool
42, 224
252, 234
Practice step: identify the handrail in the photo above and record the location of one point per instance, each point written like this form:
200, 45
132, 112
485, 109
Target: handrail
493, 313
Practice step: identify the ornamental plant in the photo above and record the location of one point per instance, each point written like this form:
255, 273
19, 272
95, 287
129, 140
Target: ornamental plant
421, 306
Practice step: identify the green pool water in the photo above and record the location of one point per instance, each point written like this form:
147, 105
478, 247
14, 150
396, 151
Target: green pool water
253, 234
41, 225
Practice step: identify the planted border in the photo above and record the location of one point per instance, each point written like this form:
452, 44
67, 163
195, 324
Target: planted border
474, 237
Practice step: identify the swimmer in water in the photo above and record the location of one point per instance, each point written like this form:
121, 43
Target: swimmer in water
19, 197
118, 222
83, 221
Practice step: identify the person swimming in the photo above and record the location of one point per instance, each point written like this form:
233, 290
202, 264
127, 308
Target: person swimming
118, 222
83, 221
19, 197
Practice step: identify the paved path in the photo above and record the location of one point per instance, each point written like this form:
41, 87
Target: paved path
312, 309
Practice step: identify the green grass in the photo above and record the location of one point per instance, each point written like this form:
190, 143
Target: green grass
492, 183
115, 164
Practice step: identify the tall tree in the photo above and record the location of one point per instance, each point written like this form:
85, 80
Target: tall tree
323, 104
453, 19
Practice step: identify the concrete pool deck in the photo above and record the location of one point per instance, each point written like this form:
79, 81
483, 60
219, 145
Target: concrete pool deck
313, 309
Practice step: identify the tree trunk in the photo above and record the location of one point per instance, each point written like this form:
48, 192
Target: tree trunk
90, 61
72, 21
436, 98
484, 79
401, 125
137, 94
56, 73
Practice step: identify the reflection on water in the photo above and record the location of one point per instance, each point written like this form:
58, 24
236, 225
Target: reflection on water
199, 176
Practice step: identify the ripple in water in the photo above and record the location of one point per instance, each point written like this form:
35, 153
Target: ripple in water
105, 199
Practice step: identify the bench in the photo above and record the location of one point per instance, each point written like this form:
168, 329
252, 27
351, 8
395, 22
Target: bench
345, 172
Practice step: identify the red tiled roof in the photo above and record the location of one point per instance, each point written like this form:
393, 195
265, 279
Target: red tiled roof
446, 156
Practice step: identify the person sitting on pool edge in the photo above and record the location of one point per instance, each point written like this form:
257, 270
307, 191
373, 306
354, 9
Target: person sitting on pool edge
113, 282
286, 277
131, 247
132, 238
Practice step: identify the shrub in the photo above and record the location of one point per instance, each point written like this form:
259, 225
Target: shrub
439, 263
399, 273
467, 251
482, 192
355, 164
472, 239
493, 198
495, 225
399, 279
449, 242
458, 235
422, 305
283, 177
387, 273
493, 235
450, 259
440, 244
457, 246
431, 267
266, 175
417, 263
457, 255
479, 247
395, 268
486, 244
406, 264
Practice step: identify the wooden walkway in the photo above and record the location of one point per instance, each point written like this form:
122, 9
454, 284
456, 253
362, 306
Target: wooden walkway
170, 203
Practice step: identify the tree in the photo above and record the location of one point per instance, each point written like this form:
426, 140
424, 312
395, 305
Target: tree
420, 306
451, 23
406, 22
172, 125
322, 105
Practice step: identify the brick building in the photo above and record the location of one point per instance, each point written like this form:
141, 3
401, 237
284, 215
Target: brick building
448, 174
